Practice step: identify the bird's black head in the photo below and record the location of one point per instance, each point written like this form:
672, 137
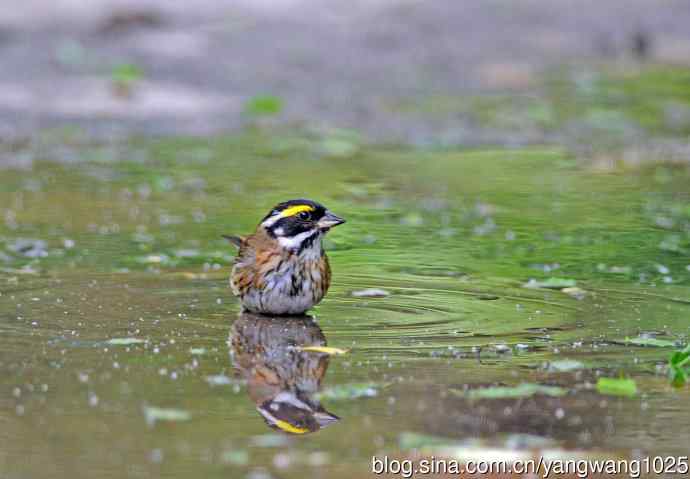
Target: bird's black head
298, 222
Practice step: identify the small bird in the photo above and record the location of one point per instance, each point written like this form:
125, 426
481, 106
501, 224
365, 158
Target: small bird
282, 269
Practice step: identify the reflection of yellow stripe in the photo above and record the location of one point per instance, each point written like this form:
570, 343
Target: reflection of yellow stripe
293, 210
287, 427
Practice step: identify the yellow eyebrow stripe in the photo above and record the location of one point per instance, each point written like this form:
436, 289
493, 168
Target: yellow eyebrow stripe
293, 210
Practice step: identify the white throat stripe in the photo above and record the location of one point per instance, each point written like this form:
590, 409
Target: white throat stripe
296, 241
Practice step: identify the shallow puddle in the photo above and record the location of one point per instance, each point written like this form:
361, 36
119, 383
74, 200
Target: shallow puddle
123, 353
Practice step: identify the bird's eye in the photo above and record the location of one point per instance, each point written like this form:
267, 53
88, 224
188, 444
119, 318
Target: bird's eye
304, 215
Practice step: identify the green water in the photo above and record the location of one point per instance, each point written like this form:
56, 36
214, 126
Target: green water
132, 250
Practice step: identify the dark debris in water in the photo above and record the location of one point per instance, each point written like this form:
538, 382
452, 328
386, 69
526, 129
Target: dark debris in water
29, 248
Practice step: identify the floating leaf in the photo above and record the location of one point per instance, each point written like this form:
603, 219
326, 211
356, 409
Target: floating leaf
550, 283
351, 391
322, 349
617, 386
198, 351
264, 105
124, 77
678, 376
126, 73
506, 392
154, 414
125, 341
679, 367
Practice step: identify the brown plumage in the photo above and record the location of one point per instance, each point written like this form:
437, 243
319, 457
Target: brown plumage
282, 268
282, 380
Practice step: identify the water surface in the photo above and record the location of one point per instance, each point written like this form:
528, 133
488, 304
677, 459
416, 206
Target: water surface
123, 353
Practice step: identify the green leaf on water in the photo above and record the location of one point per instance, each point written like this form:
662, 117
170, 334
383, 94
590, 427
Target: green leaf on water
126, 74
678, 376
550, 283
264, 105
507, 392
351, 391
616, 386
679, 367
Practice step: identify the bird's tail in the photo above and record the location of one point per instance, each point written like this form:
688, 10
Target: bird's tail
236, 240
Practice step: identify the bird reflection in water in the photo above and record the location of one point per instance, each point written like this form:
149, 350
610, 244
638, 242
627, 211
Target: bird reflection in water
282, 380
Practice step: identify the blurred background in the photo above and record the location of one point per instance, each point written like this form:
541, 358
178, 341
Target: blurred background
403, 71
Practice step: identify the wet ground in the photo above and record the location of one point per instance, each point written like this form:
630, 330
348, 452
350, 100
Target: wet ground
123, 354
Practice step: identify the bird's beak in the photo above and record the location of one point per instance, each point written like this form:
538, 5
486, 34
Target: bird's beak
329, 220
325, 418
